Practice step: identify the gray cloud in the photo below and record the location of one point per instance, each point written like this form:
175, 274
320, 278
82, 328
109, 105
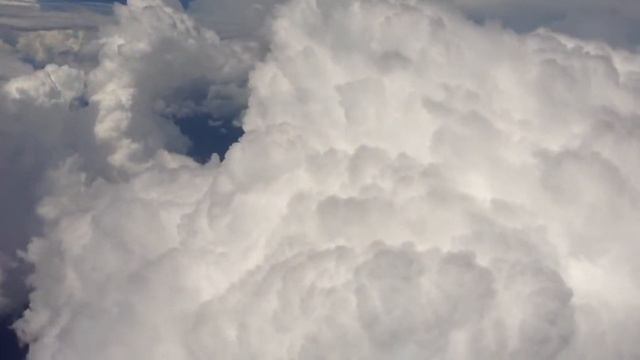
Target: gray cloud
615, 21
82, 102
28, 15
467, 192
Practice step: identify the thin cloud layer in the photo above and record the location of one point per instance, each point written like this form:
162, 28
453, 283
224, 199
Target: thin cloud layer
29, 15
234, 18
616, 21
410, 185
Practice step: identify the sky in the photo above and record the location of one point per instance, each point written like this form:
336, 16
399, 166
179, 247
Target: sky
310, 179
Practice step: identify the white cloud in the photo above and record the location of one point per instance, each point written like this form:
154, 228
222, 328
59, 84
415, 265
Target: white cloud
154, 52
62, 47
50, 85
85, 107
410, 185
38, 130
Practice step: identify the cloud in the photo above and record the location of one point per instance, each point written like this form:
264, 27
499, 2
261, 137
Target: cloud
153, 57
234, 19
613, 21
12, 66
410, 184
28, 15
41, 87
61, 47
75, 93
38, 130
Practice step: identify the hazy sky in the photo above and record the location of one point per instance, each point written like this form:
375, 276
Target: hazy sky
408, 179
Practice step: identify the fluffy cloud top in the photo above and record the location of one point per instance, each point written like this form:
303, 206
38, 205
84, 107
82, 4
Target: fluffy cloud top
410, 185
75, 94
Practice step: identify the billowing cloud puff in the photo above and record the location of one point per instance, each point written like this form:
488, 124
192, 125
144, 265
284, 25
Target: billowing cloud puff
62, 47
410, 185
155, 57
37, 130
81, 102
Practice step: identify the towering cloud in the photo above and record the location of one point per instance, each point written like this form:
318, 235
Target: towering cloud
105, 100
410, 185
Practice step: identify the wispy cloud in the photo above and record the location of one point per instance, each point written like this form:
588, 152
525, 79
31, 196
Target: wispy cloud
32, 15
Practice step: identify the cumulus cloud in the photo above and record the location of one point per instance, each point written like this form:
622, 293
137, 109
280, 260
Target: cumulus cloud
410, 185
71, 47
149, 61
74, 93
38, 129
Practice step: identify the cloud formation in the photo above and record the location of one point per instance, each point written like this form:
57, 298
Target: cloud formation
615, 22
30, 15
234, 18
410, 184
73, 94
